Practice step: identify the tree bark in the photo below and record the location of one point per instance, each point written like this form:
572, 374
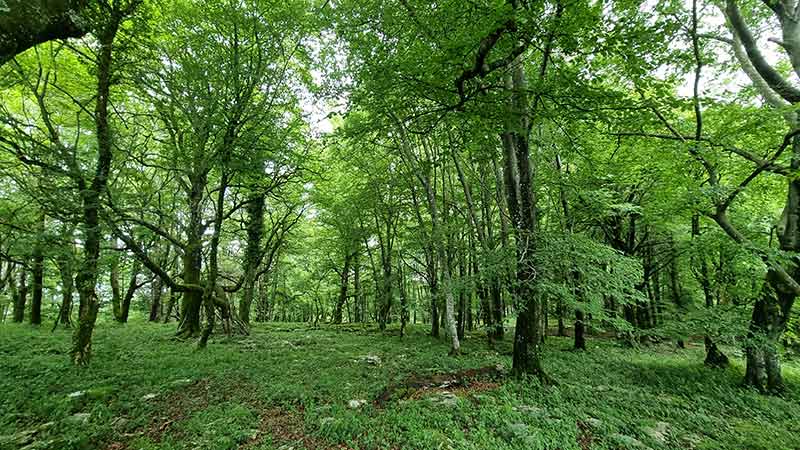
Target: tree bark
133, 286
343, 284
155, 303
26, 23
20, 296
37, 270
91, 194
255, 231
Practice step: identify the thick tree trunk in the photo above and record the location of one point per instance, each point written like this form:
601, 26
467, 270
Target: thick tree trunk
26, 23
768, 322
255, 231
213, 295
192, 299
521, 203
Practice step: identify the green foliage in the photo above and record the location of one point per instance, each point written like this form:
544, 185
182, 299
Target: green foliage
291, 379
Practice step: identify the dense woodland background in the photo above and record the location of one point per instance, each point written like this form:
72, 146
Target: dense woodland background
500, 171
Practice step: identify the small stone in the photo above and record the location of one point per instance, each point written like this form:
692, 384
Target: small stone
355, 404
149, 396
326, 421
658, 432
446, 399
529, 409
182, 382
593, 422
628, 442
19, 438
78, 418
76, 394
373, 360
518, 429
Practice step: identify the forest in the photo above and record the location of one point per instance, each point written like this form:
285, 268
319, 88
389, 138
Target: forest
399, 224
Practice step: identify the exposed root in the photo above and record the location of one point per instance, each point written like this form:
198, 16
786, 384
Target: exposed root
465, 379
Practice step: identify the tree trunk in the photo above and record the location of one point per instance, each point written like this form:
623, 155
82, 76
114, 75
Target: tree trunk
38, 273
155, 304
255, 231
344, 281
522, 206
125, 307
116, 293
192, 299
580, 340
21, 296
90, 195
67, 288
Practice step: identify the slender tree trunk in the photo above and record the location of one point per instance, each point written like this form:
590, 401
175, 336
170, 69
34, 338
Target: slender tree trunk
344, 282
401, 279
359, 308
67, 289
21, 296
155, 305
125, 307
580, 340
38, 273
116, 292
86, 279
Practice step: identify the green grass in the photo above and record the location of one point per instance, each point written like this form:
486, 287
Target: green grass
288, 385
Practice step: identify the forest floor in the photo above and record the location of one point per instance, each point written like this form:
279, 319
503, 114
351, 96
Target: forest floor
290, 386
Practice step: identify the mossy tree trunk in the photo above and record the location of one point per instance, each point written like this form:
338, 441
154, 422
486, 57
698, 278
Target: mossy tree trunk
92, 192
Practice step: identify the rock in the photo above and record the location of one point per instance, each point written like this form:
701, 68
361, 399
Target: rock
39, 445
518, 429
78, 418
120, 423
658, 432
149, 396
519, 432
181, 382
18, 439
446, 399
373, 360
628, 442
76, 394
692, 441
593, 422
530, 410
326, 421
355, 404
